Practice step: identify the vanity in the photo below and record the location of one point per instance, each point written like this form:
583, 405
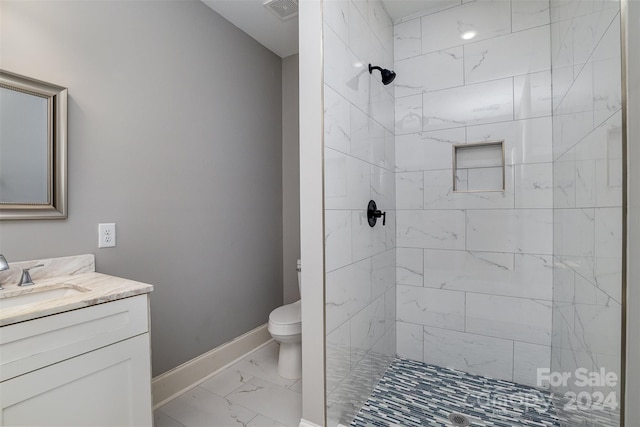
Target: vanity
74, 347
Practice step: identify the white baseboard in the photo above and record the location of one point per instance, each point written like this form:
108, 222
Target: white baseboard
305, 423
171, 384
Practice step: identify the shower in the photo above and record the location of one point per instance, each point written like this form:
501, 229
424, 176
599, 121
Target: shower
387, 75
490, 266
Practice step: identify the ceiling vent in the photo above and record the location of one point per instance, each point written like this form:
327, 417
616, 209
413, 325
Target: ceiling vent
283, 9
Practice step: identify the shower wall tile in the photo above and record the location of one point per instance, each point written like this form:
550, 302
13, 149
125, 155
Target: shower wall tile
574, 232
593, 328
527, 359
606, 63
608, 276
407, 39
439, 194
442, 30
337, 121
410, 340
383, 273
337, 229
608, 233
427, 150
468, 105
359, 165
367, 137
516, 231
503, 250
501, 57
522, 319
347, 181
566, 9
381, 25
529, 13
588, 31
585, 39
362, 47
534, 185
564, 184
367, 327
491, 273
532, 95
381, 104
336, 16
429, 72
526, 141
348, 290
442, 229
409, 190
383, 188
408, 114
365, 240
409, 266
431, 307
475, 354
338, 348
341, 70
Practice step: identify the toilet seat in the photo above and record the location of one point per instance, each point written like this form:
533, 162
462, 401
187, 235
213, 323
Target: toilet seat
286, 320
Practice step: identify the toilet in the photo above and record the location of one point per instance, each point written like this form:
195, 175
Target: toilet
285, 326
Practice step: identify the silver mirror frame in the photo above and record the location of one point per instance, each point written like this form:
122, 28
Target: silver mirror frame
57, 134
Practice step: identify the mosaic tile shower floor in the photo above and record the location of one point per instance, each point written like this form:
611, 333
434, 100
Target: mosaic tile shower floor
418, 394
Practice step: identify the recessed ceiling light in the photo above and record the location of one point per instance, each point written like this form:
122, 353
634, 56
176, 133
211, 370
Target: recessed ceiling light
468, 35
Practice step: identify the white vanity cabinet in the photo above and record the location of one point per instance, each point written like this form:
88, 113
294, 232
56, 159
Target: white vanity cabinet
85, 367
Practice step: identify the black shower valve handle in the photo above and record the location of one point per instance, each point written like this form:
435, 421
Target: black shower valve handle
373, 213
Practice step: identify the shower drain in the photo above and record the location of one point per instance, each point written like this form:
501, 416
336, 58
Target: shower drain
459, 420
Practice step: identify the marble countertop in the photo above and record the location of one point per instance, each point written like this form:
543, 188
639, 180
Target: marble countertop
93, 288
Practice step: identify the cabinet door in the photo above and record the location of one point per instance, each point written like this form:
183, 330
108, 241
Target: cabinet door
110, 386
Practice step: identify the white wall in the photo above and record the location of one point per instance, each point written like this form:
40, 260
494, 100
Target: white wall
175, 135
474, 268
587, 144
358, 167
290, 179
311, 213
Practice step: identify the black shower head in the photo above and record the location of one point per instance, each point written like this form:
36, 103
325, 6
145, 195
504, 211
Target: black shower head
387, 75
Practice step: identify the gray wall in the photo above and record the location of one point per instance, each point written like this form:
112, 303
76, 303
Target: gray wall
290, 179
175, 135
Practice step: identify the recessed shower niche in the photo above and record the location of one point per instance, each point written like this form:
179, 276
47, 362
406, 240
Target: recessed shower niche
478, 167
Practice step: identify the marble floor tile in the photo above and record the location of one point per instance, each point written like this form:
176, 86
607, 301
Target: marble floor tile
248, 393
160, 419
262, 421
270, 400
264, 364
200, 407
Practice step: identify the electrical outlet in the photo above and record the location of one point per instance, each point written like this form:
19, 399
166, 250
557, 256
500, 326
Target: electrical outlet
107, 235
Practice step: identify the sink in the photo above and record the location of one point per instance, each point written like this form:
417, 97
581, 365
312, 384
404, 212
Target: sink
33, 295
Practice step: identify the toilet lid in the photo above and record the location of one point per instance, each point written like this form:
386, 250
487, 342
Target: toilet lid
286, 315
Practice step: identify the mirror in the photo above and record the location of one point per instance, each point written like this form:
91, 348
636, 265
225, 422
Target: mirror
33, 148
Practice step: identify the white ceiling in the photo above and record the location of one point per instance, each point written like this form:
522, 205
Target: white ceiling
282, 37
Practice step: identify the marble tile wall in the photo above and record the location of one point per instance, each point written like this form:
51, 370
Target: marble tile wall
474, 270
587, 194
359, 165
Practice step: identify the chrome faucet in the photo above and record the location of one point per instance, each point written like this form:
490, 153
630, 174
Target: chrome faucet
4, 265
26, 280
